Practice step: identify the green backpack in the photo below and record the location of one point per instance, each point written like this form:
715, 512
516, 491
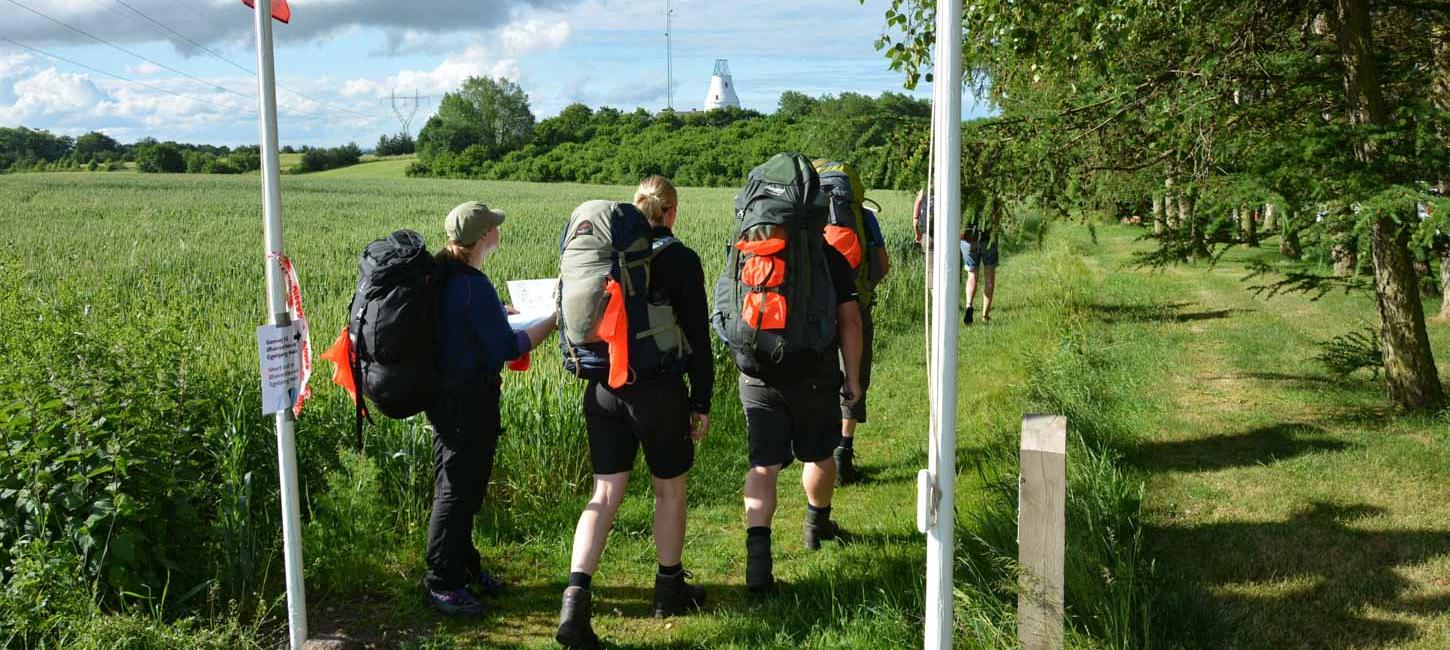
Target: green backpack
607, 244
775, 304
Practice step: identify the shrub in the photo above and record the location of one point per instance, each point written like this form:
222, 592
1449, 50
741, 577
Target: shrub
162, 158
316, 160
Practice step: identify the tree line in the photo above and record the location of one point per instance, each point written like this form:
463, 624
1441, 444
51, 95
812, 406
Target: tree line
26, 150
486, 130
1325, 121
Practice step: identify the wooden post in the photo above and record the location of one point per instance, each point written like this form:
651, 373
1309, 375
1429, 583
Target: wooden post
1041, 531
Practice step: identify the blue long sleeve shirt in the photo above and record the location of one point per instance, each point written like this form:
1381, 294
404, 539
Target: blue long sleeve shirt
474, 337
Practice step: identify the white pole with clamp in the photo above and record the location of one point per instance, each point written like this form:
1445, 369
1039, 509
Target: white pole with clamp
939, 486
277, 307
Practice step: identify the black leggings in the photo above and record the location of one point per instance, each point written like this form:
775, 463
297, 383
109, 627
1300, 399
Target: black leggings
466, 427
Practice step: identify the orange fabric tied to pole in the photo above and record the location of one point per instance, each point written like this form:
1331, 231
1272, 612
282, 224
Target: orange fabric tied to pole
614, 329
340, 354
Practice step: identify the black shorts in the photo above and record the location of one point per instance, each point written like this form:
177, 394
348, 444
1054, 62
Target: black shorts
868, 336
655, 412
799, 419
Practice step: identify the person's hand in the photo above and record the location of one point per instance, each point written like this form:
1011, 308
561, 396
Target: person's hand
509, 309
851, 392
699, 426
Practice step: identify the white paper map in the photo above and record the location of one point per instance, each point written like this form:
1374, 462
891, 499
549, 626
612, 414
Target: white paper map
534, 300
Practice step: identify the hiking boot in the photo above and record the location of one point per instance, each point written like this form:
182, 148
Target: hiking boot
490, 586
458, 602
967, 318
673, 595
574, 628
815, 531
758, 564
845, 466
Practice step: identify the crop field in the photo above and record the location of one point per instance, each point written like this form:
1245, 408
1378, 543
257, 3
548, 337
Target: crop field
138, 499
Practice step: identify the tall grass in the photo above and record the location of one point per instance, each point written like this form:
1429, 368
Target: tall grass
1074, 365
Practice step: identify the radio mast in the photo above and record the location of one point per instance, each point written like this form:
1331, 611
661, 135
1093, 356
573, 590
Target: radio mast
669, 56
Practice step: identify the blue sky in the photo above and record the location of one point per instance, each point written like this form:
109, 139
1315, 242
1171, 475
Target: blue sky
343, 57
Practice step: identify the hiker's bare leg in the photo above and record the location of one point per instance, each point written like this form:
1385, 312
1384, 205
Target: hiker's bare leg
848, 428
669, 519
989, 286
760, 495
971, 289
596, 521
819, 480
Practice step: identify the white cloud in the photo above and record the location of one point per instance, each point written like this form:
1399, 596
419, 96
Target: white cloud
534, 35
472, 62
50, 93
498, 57
225, 20
145, 68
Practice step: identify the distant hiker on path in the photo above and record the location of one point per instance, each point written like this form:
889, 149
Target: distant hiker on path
668, 339
786, 305
980, 254
474, 341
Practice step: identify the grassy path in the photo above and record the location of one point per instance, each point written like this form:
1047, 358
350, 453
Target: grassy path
1286, 507
863, 592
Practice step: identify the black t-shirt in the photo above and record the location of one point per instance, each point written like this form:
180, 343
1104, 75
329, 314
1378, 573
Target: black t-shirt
678, 276
843, 277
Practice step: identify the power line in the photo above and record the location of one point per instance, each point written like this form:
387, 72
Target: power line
139, 56
234, 64
119, 77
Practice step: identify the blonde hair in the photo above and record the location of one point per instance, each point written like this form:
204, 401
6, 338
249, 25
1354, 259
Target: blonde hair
654, 197
455, 252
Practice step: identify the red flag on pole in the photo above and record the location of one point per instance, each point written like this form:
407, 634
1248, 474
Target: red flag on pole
280, 10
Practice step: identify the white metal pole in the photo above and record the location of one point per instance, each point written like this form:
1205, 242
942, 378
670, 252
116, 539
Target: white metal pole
940, 548
277, 305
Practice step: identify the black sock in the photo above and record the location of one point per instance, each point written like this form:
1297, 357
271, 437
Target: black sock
846, 442
757, 532
671, 570
816, 515
580, 579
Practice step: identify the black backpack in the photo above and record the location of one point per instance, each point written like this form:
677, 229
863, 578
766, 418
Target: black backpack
392, 325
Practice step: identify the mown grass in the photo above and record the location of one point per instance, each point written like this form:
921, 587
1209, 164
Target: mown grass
1288, 506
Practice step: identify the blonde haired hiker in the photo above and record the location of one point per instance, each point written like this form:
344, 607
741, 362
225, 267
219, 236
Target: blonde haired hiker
655, 411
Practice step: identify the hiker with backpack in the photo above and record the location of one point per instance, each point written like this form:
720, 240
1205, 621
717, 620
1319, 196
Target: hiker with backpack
980, 255
854, 231
634, 325
786, 306
474, 340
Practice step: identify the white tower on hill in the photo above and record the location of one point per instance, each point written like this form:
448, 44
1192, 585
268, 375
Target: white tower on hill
722, 89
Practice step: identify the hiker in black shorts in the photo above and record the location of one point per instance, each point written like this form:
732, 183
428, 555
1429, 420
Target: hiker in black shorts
786, 307
658, 413
800, 420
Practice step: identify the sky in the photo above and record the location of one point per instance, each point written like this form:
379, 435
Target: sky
187, 64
